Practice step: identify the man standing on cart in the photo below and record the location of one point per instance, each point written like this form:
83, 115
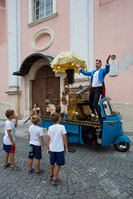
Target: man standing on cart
97, 84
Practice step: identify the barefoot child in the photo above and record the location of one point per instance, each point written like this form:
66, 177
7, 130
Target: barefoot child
9, 140
36, 144
55, 146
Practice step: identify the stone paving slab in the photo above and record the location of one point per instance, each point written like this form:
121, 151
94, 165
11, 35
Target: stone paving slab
89, 173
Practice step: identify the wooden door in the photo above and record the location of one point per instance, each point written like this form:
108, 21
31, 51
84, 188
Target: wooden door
45, 86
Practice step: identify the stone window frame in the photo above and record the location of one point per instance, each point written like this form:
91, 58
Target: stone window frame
33, 22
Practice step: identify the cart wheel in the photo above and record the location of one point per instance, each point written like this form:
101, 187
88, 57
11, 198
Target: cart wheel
122, 146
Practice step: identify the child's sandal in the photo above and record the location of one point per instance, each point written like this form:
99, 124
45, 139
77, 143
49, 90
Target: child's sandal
6, 165
51, 178
54, 182
39, 172
30, 171
14, 168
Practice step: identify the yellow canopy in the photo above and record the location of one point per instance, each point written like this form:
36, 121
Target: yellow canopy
66, 60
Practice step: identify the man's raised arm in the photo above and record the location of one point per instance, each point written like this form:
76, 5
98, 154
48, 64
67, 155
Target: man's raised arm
82, 71
107, 66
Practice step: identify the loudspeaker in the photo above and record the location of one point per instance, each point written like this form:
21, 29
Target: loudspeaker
70, 76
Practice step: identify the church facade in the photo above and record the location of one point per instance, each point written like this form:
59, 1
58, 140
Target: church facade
34, 32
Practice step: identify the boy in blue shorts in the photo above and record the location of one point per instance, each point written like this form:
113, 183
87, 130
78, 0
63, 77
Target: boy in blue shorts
9, 140
55, 146
36, 144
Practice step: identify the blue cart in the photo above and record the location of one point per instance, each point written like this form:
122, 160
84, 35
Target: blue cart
92, 132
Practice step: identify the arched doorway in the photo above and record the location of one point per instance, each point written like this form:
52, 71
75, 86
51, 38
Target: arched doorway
45, 87
40, 81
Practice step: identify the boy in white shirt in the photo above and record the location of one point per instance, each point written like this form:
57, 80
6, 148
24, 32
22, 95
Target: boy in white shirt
9, 140
55, 146
36, 144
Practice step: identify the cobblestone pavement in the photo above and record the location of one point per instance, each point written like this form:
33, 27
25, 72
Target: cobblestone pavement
89, 173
